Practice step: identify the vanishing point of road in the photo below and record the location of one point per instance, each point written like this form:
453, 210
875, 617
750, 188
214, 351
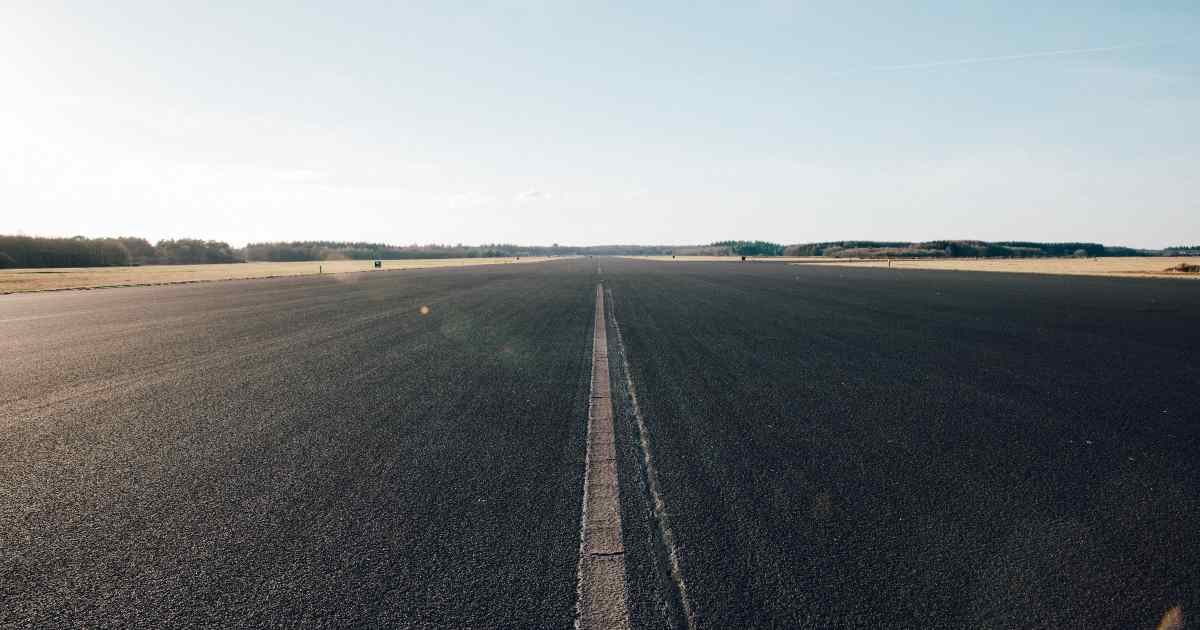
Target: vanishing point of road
774, 446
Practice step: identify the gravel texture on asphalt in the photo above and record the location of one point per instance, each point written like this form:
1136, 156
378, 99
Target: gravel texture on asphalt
835, 446
308, 452
845, 447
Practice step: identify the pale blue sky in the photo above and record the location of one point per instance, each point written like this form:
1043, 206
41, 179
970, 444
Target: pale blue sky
601, 123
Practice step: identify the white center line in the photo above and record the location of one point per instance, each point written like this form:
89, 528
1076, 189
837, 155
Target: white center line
601, 590
660, 508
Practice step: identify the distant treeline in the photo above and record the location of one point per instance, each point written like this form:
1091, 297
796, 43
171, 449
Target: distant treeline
32, 251
958, 249
29, 251
751, 248
339, 250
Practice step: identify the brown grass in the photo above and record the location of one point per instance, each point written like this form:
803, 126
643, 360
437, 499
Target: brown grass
1156, 267
22, 280
796, 259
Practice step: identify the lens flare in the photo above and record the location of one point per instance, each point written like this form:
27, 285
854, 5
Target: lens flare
1173, 620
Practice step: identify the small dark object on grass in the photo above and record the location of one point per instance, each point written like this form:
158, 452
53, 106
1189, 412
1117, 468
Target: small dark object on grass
1185, 268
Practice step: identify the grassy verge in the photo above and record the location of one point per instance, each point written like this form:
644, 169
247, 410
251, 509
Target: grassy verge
25, 280
1137, 267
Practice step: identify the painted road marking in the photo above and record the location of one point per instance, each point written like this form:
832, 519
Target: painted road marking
601, 589
660, 510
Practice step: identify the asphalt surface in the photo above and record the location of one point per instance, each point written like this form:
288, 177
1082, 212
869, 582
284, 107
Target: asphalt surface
843, 447
836, 447
297, 452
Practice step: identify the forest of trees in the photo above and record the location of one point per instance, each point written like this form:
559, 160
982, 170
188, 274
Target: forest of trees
78, 251
25, 251
186, 251
751, 248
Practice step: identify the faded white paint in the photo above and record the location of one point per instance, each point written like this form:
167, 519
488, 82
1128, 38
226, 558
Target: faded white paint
601, 590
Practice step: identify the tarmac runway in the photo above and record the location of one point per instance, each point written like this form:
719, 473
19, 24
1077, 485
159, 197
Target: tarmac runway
297, 452
828, 447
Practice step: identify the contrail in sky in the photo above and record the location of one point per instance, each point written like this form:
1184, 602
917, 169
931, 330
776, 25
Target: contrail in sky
971, 60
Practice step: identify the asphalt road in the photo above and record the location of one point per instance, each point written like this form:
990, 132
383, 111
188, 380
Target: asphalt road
835, 447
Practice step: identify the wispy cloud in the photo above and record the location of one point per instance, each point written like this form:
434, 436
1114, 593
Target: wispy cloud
299, 175
1031, 55
531, 195
458, 201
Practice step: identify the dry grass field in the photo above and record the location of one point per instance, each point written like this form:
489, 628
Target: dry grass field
22, 280
1130, 267
796, 259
